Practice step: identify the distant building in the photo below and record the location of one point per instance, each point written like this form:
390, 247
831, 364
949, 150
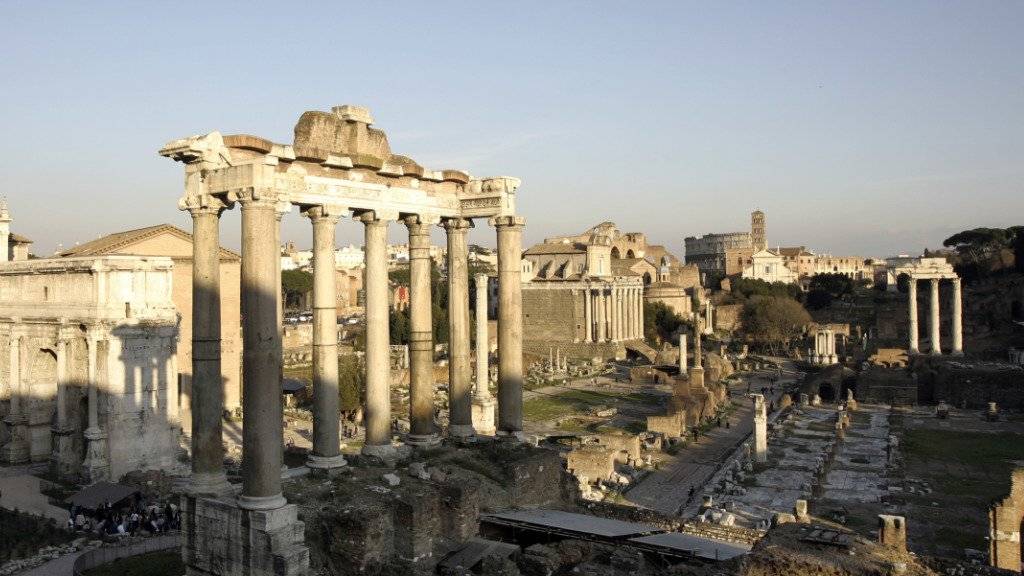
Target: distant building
13, 247
769, 266
175, 243
583, 294
726, 254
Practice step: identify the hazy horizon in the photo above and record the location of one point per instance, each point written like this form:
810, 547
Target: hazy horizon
868, 129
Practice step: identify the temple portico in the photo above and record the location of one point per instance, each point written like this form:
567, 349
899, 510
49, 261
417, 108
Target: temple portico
934, 270
337, 166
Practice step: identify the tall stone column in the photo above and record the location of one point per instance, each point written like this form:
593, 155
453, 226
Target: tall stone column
421, 341
934, 323
958, 327
262, 433
326, 454
16, 450
588, 316
483, 403
97, 464
638, 305
912, 309
378, 371
760, 417
460, 403
510, 323
609, 314
682, 354
207, 401
599, 302
620, 324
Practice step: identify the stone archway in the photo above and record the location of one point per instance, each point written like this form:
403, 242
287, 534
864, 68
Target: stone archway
615, 252
630, 253
647, 278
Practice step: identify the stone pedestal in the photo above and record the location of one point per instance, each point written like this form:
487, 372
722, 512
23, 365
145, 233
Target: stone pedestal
483, 415
221, 539
96, 467
696, 377
16, 451
760, 429
64, 461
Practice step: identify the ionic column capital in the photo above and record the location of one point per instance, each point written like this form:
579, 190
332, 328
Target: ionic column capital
424, 219
205, 204
326, 213
456, 225
256, 198
507, 221
376, 217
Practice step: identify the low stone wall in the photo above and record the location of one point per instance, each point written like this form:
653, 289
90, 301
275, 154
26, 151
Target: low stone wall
593, 462
576, 350
105, 555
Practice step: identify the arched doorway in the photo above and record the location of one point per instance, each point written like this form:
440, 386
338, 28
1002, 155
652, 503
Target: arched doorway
647, 278
615, 252
630, 253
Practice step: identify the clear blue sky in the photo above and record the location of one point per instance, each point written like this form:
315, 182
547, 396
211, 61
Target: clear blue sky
859, 127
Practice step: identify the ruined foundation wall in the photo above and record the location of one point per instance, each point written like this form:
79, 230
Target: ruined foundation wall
1004, 526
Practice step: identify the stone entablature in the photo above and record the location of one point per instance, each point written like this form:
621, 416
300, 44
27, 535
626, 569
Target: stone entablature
90, 361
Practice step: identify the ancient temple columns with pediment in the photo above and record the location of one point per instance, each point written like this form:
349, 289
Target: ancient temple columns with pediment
934, 271
338, 167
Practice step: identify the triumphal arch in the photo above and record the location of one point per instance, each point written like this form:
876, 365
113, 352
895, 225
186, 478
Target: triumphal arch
337, 166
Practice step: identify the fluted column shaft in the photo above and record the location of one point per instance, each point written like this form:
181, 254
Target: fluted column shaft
912, 309
378, 394
682, 354
510, 323
207, 401
601, 309
934, 323
262, 433
481, 390
958, 326
326, 452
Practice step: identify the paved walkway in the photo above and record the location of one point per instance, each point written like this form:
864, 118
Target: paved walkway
667, 490
20, 490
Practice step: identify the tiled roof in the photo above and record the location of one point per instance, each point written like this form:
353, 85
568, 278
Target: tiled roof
111, 242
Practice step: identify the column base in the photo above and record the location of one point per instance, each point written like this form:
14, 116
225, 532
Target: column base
422, 440
14, 452
211, 484
221, 538
63, 460
957, 353
326, 465
96, 465
935, 353
483, 416
261, 503
382, 451
461, 431
913, 351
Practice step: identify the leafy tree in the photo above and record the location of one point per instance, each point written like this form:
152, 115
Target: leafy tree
818, 299
983, 251
295, 284
824, 288
660, 322
749, 287
351, 383
774, 321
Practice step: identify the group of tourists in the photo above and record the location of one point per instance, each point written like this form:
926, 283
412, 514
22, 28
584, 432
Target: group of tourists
130, 519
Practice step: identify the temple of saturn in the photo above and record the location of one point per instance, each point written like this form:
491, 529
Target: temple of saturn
934, 270
338, 165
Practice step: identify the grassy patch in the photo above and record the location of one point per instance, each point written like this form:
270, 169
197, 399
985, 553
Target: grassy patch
569, 402
163, 563
971, 449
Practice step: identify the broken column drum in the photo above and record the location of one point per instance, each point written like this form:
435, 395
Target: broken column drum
337, 165
760, 416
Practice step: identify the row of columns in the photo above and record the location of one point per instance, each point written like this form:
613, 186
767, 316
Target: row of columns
613, 314
934, 321
261, 356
